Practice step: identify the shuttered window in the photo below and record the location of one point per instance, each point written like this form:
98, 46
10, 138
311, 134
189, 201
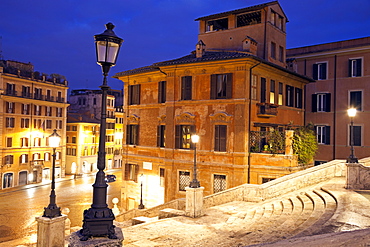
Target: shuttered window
186, 88
183, 136
221, 86
220, 138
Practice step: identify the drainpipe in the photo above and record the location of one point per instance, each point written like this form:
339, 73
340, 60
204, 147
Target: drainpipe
250, 120
335, 108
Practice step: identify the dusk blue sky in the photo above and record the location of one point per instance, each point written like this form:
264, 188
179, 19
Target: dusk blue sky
57, 36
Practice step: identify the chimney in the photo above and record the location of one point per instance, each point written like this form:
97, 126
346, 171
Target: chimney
200, 49
250, 45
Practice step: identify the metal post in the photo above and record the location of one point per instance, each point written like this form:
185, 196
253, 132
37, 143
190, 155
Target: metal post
141, 205
195, 183
352, 158
52, 210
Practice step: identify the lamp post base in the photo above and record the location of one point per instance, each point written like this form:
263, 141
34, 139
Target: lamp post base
98, 223
352, 159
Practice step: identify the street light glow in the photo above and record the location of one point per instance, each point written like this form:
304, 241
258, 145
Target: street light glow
194, 138
352, 112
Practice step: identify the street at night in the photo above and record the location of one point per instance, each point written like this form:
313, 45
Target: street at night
19, 206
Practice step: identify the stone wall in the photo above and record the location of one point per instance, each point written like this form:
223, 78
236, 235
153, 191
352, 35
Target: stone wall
358, 177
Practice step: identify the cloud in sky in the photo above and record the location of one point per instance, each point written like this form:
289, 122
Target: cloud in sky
57, 36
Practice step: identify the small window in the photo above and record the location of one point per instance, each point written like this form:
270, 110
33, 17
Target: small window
289, 96
23, 159
265, 180
319, 71
184, 180
323, 134
132, 134
131, 172
219, 183
272, 92
221, 86
321, 102
73, 139
9, 142
186, 88
10, 107
280, 96
9, 159
216, 25
298, 97
24, 142
355, 67
356, 135
263, 90
10, 122
273, 50
281, 54
134, 94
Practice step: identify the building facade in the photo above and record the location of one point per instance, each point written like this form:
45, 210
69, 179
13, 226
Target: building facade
83, 127
341, 74
32, 107
234, 83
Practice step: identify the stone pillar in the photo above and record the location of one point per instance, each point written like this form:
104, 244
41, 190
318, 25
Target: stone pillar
289, 142
194, 202
353, 176
50, 231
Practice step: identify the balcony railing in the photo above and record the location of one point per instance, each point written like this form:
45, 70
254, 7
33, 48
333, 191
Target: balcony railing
35, 96
267, 110
267, 142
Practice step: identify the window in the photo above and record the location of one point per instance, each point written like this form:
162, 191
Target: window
7, 180
250, 18
9, 159
216, 25
37, 110
298, 98
73, 139
48, 111
321, 102
184, 180
161, 135
162, 91
37, 142
161, 177
254, 87
58, 124
134, 94
48, 94
289, 96
219, 183
10, 89
265, 180
220, 138
281, 54
186, 82
319, 71
24, 142
183, 136
59, 112
10, 122
48, 124
221, 86
131, 172
280, 96
132, 134
355, 67
9, 142
58, 155
355, 100
47, 156
26, 109
37, 123
25, 122
36, 156
273, 17
81, 101
356, 135
10, 107
26, 92
23, 159
272, 92
94, 101
263, 90
38, 93
273, 50
323, 134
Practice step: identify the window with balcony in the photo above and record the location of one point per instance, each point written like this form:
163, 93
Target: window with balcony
220, 138
355, 67
186, 88
183, 136
321, 102
38, 93
10, 89
221, 86
26, 92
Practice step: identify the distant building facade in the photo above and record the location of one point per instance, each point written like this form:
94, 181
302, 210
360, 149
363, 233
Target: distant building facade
233, 84
32, 107
341, 74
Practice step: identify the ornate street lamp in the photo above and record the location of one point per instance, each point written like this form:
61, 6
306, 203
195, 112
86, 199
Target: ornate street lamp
141, 205
195, 183
352, 158
53, 210
98, 220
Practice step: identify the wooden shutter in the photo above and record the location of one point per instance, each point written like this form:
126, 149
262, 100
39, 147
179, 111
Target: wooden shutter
327, 102
327, 135
358, 67
136, 176
323, 71
127, 171
213, 86
350, 68
314, 102
178, 136
315, 69
229, 85
263, 90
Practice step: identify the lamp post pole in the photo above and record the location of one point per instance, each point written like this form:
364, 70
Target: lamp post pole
53, 210
98, 220
141, 205
195, 183
352, 158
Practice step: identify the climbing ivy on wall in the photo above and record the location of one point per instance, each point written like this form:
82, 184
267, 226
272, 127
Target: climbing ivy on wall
305, 144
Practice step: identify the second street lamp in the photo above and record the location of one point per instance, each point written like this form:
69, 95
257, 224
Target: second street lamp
195, 183
53, 210
141, 205
98, 220
352, 158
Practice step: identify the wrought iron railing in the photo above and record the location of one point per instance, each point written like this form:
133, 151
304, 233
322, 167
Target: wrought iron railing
267, 142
